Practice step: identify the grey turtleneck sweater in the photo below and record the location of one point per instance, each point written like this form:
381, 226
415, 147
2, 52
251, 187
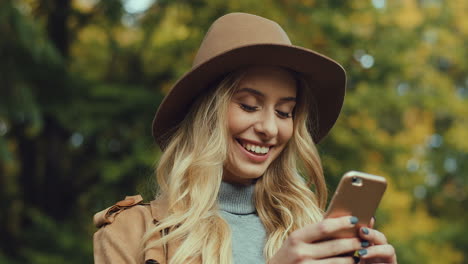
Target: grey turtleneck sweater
248, 233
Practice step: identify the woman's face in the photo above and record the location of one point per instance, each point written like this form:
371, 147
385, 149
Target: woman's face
259, 121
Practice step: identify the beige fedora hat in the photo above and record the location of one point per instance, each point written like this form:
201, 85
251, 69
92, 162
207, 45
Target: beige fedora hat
238, 40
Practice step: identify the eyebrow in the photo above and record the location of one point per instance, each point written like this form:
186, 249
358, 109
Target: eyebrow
258, 93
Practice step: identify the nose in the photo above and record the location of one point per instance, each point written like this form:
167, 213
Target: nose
266, 125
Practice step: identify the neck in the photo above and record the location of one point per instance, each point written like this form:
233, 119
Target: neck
236, 198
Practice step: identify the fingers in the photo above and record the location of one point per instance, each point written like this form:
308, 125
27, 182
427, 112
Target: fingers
337, 260
381, 253
326, 249
333, 247
372, 222
373, 236
323, 230
316, 243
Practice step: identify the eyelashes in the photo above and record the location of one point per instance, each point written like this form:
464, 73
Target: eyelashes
283, 114
250, 109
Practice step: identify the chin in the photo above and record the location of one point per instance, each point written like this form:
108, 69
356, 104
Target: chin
243, 174
251, 171
252, 175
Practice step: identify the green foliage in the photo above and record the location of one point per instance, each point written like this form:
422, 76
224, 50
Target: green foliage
81, 80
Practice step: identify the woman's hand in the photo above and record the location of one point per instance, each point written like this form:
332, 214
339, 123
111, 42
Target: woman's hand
379, 251
312, 244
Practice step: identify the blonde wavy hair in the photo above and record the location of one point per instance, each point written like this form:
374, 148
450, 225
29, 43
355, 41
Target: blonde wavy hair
190, 172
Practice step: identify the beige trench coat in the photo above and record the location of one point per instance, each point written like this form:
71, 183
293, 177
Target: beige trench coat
121, 228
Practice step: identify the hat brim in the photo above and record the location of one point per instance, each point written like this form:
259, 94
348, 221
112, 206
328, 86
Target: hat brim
325, 77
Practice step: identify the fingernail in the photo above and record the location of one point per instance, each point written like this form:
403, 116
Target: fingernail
353, 220
362, 252
356, 259
365, 244
365, 230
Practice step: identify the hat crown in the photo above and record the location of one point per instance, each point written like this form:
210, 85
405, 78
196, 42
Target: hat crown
236, 30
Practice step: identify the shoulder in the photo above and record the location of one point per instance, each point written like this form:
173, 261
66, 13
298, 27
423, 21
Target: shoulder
121, 230
133, 210
130, 209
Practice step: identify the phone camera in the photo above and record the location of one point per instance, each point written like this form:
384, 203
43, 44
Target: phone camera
356, 181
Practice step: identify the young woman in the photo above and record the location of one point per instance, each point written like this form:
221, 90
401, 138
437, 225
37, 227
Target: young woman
236, 130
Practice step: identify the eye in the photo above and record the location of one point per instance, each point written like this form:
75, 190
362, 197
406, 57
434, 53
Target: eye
248, 108
283, 114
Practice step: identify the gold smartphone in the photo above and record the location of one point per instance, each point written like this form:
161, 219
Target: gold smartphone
358, 194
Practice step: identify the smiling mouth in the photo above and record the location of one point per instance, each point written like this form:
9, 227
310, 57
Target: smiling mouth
255, 149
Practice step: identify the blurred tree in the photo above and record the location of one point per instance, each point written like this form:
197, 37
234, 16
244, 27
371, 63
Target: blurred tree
80, 81
65, 135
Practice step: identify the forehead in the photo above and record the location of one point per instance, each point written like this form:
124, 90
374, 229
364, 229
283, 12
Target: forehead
269, 80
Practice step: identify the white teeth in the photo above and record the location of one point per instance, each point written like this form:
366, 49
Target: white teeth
256, 149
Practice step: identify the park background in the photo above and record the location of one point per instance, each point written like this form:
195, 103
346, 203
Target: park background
80, 81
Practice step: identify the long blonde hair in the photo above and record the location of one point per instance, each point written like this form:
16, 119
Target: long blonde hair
190, 173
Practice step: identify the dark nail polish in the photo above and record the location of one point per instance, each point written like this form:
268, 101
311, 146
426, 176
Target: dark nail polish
356, 259
365, 244
365, 230
353, 220
362, 252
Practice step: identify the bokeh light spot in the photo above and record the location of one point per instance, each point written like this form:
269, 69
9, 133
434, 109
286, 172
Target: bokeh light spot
3, 128
435, 141
402, 88
412, 165
76, 139
367, 61
450, 165
379, 4
420, 192
137, 6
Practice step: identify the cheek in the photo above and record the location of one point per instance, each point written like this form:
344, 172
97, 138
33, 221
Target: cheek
286, 131
236, 120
